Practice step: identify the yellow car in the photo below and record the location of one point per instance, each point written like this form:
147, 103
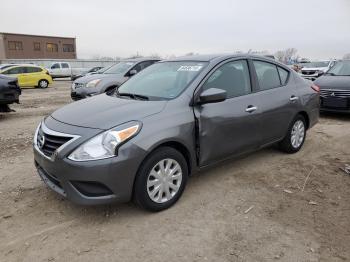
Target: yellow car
29, 75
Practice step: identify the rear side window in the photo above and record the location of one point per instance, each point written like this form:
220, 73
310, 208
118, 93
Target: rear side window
268, 76
33, 69
233, 77
283, 75
65, 65
16, 70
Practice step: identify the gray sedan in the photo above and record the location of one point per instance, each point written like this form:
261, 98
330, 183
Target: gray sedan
168, 122
109, 79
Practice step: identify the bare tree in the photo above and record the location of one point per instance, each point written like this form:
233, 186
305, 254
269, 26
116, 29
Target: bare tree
155, 55
286, 55
346, 56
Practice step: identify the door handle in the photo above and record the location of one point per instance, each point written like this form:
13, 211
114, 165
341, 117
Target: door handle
293, 98
251, 109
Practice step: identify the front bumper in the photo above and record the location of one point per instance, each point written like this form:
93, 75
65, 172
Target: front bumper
335, 104
82, 92
91, 182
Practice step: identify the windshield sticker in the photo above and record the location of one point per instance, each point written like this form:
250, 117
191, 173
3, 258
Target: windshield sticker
190, 68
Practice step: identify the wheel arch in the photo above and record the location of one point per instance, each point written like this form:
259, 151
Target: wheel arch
306, 117
169, 143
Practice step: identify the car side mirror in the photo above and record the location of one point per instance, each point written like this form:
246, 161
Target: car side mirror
212, 95
132, 72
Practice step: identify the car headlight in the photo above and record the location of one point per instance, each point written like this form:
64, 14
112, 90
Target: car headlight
105, 145
93, 83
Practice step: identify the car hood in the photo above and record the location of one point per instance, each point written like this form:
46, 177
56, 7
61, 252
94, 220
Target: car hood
324, 69
87, 78
104, 111
333, 82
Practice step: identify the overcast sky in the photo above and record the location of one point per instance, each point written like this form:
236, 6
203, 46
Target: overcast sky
317, 28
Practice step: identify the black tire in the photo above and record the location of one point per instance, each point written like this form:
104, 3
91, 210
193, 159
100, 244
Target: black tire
141, 196
43, 83
286, 144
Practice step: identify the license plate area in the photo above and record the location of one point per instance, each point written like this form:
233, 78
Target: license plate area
335, 102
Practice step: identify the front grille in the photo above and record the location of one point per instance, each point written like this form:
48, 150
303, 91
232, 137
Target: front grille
308, 72
49, 143
335, 93
78, 85
76, 96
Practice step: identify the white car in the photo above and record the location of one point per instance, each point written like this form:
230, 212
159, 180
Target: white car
313, 70
64, 69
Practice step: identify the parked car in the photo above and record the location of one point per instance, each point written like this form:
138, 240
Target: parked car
88, 72
4, 66
64, 69
168, 122
109, 79
9, 92
315, 69
29, 75
335, 88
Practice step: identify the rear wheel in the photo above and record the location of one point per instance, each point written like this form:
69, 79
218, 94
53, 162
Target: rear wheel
43, 83
295, 137
161, 179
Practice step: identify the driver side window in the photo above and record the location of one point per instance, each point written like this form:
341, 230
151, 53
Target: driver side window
233, 77
55, 66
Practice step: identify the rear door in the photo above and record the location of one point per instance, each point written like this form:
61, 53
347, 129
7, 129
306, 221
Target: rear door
279, 100
230, 127
65, 69
34, 75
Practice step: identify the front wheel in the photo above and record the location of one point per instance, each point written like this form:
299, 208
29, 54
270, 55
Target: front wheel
295, 137
43, 83
161, 179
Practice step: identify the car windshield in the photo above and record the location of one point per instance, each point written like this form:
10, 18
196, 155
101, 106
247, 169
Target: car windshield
341, 68
165, 80
120, 68
316, 64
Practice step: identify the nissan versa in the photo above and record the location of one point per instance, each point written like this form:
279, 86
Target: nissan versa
169, 121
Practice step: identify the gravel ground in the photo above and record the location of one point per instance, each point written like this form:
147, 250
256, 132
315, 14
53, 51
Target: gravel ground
259, 208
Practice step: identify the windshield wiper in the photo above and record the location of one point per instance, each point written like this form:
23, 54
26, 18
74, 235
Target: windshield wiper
134, 96
331, 74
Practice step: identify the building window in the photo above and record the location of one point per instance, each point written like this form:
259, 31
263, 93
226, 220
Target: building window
68, 48
15, 45
50, 47
36, 46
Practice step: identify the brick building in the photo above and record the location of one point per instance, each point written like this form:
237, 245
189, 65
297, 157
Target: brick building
21, 46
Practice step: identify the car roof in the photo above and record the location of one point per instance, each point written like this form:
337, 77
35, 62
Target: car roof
140, 59
26, 65
210, 57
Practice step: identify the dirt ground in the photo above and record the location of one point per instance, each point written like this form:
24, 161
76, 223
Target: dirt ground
260, 208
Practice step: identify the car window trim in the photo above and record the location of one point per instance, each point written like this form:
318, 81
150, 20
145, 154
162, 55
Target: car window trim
276, 65
199, 87
127, 74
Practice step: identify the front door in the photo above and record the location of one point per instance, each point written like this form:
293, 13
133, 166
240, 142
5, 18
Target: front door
230, 127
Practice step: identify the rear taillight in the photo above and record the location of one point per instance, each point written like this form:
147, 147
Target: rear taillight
315, 88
